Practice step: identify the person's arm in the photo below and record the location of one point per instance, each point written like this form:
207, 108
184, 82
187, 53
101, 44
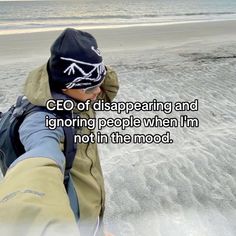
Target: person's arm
110, 86
40, 141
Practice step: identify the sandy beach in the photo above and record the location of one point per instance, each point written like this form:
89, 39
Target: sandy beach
185, 188
124, 38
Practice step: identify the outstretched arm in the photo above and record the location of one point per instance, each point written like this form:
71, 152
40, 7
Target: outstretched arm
33, 199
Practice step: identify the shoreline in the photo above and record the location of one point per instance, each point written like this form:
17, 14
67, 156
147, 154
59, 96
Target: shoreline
107, 26
27, 46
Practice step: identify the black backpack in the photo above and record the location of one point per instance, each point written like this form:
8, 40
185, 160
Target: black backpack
11, 147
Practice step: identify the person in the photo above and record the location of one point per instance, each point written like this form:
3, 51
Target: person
33, 199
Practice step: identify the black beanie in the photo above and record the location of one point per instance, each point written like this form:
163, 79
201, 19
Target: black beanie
75, 61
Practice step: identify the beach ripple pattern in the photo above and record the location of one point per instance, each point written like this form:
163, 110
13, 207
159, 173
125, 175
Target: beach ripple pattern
188, 187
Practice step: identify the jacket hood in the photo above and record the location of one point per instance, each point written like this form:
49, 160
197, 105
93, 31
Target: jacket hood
37, 88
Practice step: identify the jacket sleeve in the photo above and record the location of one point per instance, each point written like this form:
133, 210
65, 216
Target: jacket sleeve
110, 86
40, 141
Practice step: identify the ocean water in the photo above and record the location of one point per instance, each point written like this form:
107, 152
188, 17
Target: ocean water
27, 16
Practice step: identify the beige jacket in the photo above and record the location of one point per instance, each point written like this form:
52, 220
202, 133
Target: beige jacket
86, 172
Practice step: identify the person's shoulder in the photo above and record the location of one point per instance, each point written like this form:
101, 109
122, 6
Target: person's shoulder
39, 116
38, 123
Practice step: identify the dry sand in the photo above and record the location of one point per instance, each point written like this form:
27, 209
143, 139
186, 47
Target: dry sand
119, 39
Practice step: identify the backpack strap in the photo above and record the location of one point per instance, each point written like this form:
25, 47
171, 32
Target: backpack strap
69, 151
